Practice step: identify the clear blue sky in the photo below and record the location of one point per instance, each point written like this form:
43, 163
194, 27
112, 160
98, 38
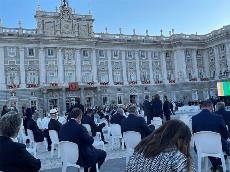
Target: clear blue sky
185, 16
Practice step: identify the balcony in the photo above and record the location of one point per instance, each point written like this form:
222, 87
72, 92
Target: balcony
12, 86
119, 83
158, 82
132, 82
31, 85
145, 82
91, 83
204, 79
193, 79
172, 81
54, 85
104, 83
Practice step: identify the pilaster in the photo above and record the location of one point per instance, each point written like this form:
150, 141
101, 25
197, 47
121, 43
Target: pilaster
94, 66
2, 69
22, 67
78, 66
138, 67
124, 69
110, 67
60, 67
42, 68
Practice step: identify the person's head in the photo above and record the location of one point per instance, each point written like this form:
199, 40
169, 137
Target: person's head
5, 108
156, 97
120, 111
89, 112
78, 100
35, 116
10, 124
132, 109
220, 106
207, 104
165, 98
172, 134
53, 113
146, 97
76, 114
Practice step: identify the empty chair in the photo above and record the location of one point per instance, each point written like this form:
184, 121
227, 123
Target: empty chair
206, 148
157, 122
88, 128
131, 138
115, 130
98, 141
69, 156
55, 141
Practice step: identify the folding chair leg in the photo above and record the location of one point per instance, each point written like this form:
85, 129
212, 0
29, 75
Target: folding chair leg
112, 143
64, 167
206, 163
122, 144
199, 163
81, 169
223, 163
52, 151
97, 169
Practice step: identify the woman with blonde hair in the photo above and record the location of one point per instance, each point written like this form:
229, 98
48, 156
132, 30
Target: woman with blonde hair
165, 150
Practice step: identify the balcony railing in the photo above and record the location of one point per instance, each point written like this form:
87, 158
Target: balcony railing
31, 85
119, 83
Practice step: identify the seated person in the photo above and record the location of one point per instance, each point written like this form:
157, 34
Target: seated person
220, 109
38, 134
13, 156
117, 117
165, 150
88, 118
54, 124
74, 132
206, 120
135, 123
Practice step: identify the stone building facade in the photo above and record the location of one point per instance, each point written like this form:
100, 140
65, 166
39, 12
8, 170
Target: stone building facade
63, 59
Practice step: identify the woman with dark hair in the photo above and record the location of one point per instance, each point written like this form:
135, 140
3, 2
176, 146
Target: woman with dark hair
165, 150
157, 106
4, 110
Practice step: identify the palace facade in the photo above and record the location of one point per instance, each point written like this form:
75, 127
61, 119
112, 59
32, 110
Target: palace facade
63, 59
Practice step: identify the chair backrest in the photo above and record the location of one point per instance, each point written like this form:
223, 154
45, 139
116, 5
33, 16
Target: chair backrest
132, 138
208, 142
115, 130
157, 122
88, 128
54, 136
187, 120
69, 152
31, 135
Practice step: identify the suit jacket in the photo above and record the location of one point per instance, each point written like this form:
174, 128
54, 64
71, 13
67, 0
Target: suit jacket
15, 158
38, 134
157, 108
76, 133
207, 121
117, 118
54, 125
147, 108
90, 120
167, 108
135, 123
226, 116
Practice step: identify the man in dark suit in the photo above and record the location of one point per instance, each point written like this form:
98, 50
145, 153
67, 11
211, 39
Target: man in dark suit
157, 106
166, 108
135, 123
38, 134
79, 105
13, 156
118, 117
74, 132
54, 124
220, 107
88, 118
208, 121
147, 109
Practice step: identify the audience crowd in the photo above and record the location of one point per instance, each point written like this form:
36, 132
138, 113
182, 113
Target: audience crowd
165, 148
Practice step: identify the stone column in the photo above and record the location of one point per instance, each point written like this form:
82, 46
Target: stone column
194, 64
63, 100
94, 66
138, 67
150, 69
217, 65
110, 68
82, 96
78, 66
164, 69
42, 67
206, 64
2, 69
22, 67
60, 67
228, 55
180, 65
124, 69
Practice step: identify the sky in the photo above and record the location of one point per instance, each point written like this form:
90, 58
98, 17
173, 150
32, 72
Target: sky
184, 16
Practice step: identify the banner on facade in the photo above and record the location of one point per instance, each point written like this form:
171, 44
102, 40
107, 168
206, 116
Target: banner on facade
73, 86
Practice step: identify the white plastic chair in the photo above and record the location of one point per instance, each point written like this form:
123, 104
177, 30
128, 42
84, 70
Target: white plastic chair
98, 141
157, 122
33, 144
55, 141
115, 130
88, 128
131, 138
69, 156
208, 144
